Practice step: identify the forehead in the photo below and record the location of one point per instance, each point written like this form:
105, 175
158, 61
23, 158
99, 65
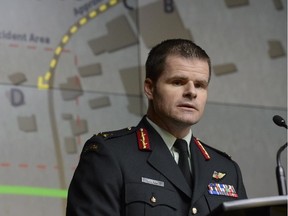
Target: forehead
181, 66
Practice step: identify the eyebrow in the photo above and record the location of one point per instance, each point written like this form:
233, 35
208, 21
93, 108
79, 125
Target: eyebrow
178, 77
186, 78
203, 82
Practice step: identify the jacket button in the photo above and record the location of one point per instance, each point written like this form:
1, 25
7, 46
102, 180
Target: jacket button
194, 211
153, 199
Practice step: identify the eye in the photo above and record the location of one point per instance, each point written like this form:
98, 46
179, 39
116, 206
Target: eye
201, 84
177, 82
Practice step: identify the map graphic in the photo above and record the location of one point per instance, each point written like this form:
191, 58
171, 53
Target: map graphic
73, 68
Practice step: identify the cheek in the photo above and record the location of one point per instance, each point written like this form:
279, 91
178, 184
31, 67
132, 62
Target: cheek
202, 102
163, 104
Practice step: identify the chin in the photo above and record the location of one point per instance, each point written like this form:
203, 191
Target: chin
188, 122
190, 119
191, 122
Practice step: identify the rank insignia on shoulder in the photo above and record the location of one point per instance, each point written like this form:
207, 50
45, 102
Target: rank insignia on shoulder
222, 190
104, 135
143, 139
94, 147
202, 149
115, 133
218, 175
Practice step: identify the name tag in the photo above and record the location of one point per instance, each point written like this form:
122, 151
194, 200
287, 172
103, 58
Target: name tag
153, 182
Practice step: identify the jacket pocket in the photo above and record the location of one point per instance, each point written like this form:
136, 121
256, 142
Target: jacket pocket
214, 201
144, 200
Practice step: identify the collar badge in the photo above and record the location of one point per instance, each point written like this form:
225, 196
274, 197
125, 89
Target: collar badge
143, 139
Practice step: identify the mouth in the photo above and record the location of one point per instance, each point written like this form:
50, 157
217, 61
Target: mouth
187, 106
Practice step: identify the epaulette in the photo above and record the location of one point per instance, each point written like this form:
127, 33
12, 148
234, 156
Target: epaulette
216, 150
93, 144
91, 147
116, 133
223, 153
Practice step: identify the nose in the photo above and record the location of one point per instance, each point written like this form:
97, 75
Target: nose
190, 90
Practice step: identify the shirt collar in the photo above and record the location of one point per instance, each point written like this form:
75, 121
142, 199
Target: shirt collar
168, 138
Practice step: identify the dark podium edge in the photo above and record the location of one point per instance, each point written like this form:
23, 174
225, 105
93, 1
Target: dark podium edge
242, 207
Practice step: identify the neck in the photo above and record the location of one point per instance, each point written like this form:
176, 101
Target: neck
176, 129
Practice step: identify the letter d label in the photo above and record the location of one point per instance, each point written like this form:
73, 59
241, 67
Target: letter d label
16, 97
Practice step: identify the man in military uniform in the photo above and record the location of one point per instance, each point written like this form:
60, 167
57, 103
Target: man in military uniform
158, 168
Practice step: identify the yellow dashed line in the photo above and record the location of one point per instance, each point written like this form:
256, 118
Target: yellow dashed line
83, 21
48, 75
103, 7
112, 2
53, 63
41, 84
58, 50
92, 14
65, 39
73, 29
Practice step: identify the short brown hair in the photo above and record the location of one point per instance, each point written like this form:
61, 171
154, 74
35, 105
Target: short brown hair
155, 63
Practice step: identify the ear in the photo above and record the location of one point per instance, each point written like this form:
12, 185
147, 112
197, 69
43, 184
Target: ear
148, 88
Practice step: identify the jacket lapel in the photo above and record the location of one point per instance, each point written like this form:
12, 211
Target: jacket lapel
162, 160
202, 173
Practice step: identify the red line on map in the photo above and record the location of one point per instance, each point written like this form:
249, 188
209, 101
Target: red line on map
41, 166
77, 80
79, 140
14, 45
31, 47
66, 50
5, 164
23, 165
48, 49
76, 60
77, 101
26, 166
